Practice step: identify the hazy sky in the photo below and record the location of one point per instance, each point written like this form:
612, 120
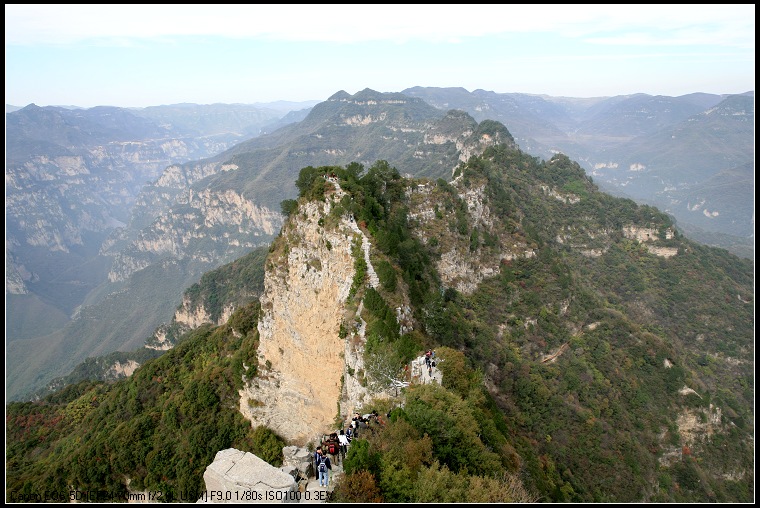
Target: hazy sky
142, 55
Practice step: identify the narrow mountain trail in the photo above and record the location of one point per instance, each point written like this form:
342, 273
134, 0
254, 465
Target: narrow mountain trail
553, 356
374, 280
314, 493
421, 375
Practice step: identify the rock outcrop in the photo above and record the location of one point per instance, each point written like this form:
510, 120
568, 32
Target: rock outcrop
647, 236
463, 262
297, 462
311, 333
242, 477
226, 223
301, 354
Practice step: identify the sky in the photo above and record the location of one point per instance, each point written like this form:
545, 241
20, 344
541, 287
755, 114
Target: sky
149, 55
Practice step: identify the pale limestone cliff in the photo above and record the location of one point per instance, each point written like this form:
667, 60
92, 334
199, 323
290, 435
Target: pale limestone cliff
469, 148
160, 340
195, 316
100, 184
647, 236
311, 364
191, 316
302, 358
364, 119
594, 243
695, 425
663, 252
119, 370
182, 176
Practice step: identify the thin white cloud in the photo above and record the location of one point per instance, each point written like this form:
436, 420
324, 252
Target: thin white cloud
664, 24
604, 59
686, 37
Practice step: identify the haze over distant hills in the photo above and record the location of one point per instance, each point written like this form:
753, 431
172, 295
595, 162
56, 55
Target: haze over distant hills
150, 208
72, 176
198, 215
654, 149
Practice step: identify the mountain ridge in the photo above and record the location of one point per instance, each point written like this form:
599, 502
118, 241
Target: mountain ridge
618, 138
608, 349
234, 197
167, 238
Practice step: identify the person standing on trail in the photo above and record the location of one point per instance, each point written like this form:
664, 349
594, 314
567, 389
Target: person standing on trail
323, 469
344, 442
317, 457
333, 447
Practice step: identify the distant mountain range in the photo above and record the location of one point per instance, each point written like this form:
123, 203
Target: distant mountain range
198, 215
654, 149
72, 177
586, 351
128, 212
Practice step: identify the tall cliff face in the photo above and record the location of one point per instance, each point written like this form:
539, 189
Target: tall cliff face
302, 357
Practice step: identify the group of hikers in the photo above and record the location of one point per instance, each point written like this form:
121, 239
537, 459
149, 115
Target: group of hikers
430, 361
333, 448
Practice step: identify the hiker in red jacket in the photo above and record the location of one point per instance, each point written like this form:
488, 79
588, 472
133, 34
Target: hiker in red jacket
332, 447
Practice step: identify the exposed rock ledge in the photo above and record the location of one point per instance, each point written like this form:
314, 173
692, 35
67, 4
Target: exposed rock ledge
242, 477
301, 355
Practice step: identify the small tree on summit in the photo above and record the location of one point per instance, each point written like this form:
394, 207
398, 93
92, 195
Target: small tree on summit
288, 206
311, 183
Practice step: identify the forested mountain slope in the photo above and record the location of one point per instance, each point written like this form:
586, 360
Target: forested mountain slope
589, 349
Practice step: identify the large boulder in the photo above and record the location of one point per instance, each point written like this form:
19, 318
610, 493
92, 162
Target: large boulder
242, 477
299, 459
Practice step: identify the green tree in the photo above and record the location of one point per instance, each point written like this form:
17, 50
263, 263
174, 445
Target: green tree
288, 206
360, 457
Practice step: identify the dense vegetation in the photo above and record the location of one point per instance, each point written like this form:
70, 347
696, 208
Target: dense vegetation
564, 374
231, 285
98, 368
160, 428
446, 444
630, 329
606, 403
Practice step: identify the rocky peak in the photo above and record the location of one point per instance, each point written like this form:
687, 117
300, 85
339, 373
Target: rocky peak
464, 259
302, 357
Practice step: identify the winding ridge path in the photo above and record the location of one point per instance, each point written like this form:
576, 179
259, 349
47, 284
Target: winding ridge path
374, 280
